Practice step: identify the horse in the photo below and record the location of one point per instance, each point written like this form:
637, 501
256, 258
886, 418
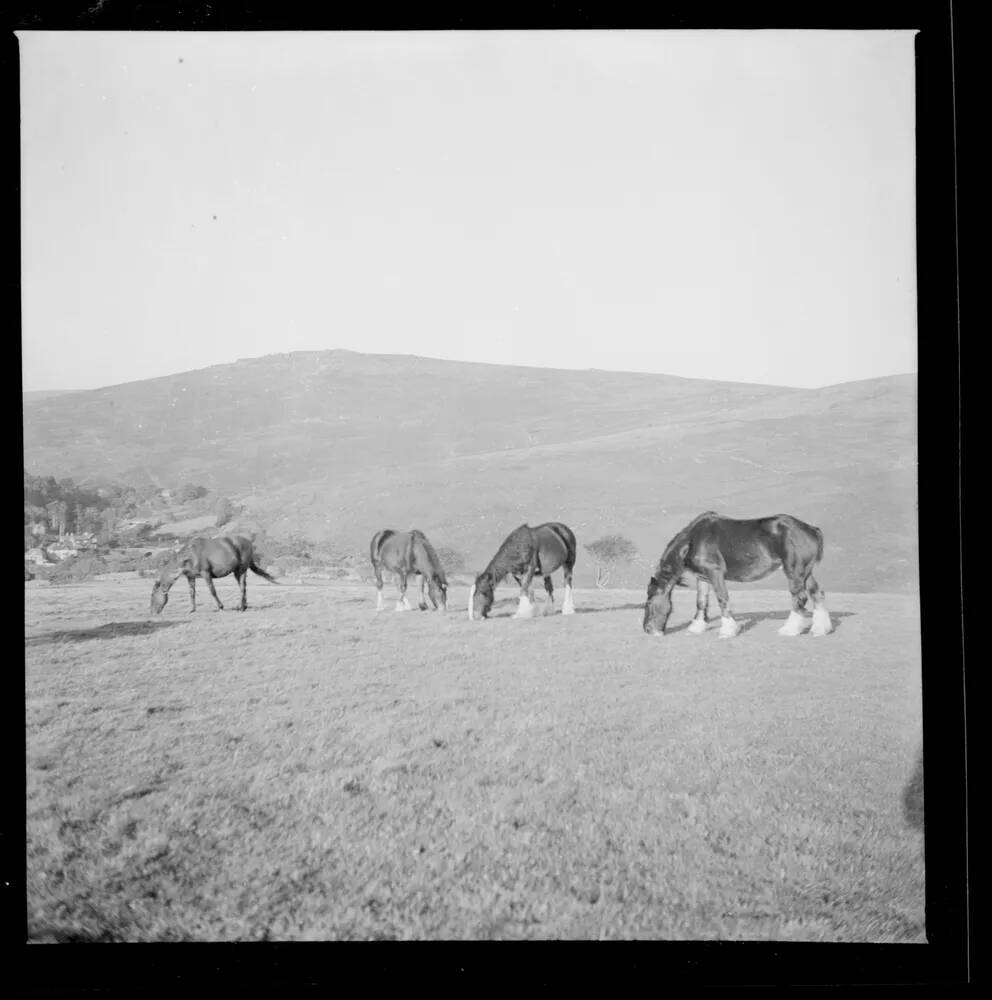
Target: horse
209, 559
406, 553
712, 549
527, 552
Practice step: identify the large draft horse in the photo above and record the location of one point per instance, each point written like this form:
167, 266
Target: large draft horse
209, 559
527, 552
712, 549
406, 553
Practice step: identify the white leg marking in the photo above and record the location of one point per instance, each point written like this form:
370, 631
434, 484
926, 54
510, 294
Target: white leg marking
471, 598
568, 606
379, 602
399, 606
524, 609
406, 603
697, 626
822, 624
729, 628
794, 624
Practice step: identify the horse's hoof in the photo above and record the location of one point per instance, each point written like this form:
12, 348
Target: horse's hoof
696, 626
794, 624
729, 631
821, 623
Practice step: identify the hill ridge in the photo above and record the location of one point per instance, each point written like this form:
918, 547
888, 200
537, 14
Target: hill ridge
332, 445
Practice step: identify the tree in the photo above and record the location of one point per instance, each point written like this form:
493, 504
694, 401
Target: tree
58, 512
88, 520
108, 518
609, 552
190, 492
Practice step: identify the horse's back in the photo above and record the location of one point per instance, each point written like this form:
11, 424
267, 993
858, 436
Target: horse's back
780, 538
556, 543
390, 548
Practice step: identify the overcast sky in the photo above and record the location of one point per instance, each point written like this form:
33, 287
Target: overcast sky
714, 204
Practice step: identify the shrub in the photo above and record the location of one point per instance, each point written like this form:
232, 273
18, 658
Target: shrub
77, 569
608, 553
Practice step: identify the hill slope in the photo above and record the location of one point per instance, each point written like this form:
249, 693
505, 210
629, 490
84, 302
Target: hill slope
334, 445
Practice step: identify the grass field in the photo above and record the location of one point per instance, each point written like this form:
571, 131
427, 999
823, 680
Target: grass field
309, 770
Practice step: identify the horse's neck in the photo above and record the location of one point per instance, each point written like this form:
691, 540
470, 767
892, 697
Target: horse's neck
170, 574
668, 572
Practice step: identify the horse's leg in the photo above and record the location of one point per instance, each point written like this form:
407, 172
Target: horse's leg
243, 583
822, 624
568, 605
728, 627
192, 592
698, 624
213, 592
549, 606
378, 586
795, 623
402, 604
423, 589
525, 609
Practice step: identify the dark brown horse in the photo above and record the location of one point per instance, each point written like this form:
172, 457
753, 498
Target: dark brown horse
406, 553
208, 558
527, 552
712, 549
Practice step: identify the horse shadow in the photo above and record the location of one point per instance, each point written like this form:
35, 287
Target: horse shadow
748, 619
112, 630
613, 607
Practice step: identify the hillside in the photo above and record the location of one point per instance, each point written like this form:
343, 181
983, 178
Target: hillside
333, 445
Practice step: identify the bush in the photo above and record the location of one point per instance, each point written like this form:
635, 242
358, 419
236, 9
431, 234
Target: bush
77, 569
190, 492
609, 552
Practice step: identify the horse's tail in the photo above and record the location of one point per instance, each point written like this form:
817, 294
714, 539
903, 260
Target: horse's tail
432, 557
567, 536
376, 544
255, 568
819, 543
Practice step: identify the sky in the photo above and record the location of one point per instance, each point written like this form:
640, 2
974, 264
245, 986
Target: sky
734, 205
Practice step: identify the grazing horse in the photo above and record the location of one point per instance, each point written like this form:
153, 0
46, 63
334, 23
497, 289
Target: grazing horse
209, 559
527, 552
406, 553
712, 549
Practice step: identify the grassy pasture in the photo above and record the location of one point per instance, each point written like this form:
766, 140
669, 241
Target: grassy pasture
310, 770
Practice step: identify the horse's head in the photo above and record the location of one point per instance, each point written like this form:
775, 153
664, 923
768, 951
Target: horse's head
437, 591
657, 608
480, 598
159, 597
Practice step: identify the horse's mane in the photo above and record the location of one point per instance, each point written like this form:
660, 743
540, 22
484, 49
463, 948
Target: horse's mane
494, 569
436, 568
670, 564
